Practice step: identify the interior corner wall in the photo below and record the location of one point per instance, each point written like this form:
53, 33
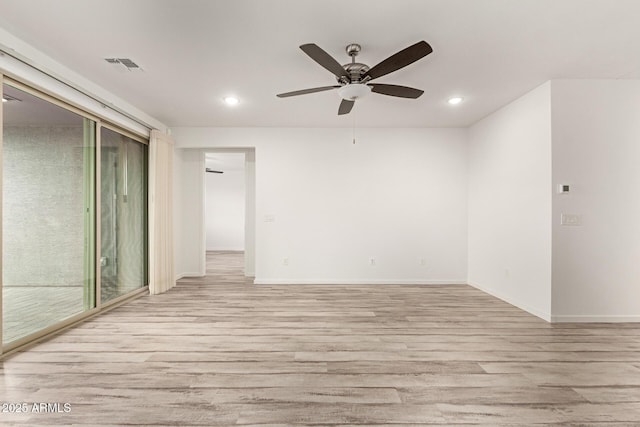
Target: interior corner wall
189, 193
509, 246
596, 151
391, 208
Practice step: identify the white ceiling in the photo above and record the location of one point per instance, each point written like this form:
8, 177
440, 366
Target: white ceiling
194, 52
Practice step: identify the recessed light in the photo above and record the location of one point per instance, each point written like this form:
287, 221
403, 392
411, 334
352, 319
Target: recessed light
231, 100
455, 100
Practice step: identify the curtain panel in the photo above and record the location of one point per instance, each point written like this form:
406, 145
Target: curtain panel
161, 269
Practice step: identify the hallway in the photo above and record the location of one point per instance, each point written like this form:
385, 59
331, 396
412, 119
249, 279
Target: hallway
220, 351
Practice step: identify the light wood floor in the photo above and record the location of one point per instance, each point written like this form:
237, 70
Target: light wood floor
219, 351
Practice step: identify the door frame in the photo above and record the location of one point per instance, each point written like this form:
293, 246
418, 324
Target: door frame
249, 212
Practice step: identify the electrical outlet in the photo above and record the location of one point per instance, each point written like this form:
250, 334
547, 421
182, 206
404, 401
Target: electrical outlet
372, 261
285, 261
507, 273
423, 262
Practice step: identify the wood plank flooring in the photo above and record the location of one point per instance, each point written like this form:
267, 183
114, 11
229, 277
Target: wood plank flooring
220, 351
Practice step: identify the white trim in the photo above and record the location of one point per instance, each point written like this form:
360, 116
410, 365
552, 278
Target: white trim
595, 318
189, 274
512, 301
355, 282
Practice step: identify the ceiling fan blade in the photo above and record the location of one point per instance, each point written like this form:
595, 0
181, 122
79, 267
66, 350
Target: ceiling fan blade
323, 58
345, 107
399, 60
305, 91
395, 90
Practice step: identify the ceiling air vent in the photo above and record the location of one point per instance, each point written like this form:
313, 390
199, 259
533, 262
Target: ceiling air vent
124, 64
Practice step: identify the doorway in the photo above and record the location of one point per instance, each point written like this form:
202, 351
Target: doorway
229, 207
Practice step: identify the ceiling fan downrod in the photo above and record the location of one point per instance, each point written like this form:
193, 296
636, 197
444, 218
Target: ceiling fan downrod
355, 69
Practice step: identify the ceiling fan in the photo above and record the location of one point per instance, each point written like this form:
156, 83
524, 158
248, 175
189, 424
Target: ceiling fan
354, 78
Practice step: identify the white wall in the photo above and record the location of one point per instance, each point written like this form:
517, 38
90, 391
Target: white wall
328, 206
189, 199
510, 203
225, 210
596, 149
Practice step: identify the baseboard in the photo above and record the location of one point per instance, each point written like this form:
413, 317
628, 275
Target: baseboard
183, 275
598, 318
513, 301
355, 282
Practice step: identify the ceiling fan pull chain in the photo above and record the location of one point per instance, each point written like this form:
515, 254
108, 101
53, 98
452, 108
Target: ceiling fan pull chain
354, 126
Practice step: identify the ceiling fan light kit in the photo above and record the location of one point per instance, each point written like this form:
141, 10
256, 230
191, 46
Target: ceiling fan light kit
354, 77
353, 91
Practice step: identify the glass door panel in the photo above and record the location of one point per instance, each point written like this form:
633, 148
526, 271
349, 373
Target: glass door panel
48, 197
123, 206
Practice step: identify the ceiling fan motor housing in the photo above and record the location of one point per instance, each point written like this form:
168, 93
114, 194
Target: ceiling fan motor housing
355, 70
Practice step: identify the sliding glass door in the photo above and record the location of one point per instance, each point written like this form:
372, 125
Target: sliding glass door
74, 214
123, 209
48, 207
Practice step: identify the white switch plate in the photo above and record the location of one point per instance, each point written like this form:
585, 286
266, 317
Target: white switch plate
269, 218
570, 219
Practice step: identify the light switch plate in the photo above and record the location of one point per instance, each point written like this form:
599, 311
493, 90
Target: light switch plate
570, 219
